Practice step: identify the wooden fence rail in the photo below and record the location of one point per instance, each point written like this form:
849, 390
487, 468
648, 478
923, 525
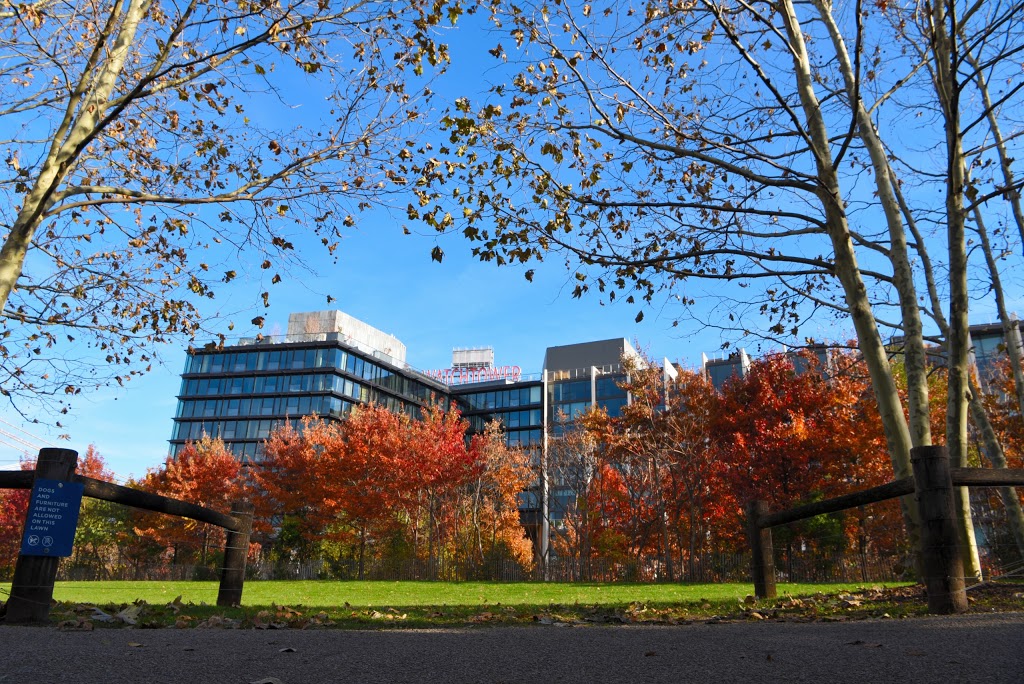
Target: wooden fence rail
34, 576
940, 557
136, 498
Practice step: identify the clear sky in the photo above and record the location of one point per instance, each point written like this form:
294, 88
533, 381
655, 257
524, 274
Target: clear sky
387, 279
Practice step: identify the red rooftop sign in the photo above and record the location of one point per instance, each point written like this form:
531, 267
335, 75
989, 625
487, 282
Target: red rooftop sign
465, 376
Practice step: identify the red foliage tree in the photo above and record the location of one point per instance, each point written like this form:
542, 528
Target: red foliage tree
13, 506
203, 473
789, 438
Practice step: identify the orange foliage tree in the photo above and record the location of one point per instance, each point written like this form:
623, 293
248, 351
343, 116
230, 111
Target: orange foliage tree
658, 484
386, 486
203, 473
491, 498
791, 438
368, 463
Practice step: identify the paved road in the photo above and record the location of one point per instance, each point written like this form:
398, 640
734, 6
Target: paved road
974, 648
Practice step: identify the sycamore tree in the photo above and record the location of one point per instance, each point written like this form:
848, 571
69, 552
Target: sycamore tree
148, 144
778, 160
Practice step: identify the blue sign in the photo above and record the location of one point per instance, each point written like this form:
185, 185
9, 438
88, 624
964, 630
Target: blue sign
52, 518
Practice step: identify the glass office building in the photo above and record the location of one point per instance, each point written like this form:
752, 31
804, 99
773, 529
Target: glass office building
329, 362
240, 393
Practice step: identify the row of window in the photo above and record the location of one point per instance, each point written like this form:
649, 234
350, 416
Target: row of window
275, 384
266, 360
579, 390
267, 384
523, 437
302, 405
523, 396
515, 419
307, 359
570, 411
510, 419
243, 451
229, 430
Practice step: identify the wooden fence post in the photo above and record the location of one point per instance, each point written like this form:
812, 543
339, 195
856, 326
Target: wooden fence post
236, 552
943, 568
32, 585
762, 555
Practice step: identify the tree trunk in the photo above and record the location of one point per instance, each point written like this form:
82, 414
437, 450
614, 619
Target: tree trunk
958, 340
666, 539
894, 422
362, 552
1011, 330
914, 355
85, 109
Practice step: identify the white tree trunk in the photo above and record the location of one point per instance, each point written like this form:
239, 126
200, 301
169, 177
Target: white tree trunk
84, 113
914, 356
958, 339
894, 422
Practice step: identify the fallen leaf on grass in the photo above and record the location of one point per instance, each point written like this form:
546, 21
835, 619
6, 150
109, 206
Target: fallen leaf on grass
100, 616
130, 615
377, 615
175, 605
286, 613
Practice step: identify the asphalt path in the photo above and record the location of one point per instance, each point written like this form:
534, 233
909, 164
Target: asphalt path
971, 648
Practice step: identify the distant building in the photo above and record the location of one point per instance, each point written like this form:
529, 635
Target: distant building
988, 348
719, 371
328, 362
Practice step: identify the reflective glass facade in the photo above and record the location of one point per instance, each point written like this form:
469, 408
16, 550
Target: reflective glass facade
519, 408
242, 393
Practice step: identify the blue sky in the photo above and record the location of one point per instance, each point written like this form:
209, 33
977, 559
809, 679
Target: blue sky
387, 279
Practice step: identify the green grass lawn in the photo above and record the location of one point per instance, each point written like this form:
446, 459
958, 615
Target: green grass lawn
439, 604
333, 594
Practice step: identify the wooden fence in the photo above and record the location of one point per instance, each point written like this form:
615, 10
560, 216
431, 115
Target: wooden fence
34, 575
932, 484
